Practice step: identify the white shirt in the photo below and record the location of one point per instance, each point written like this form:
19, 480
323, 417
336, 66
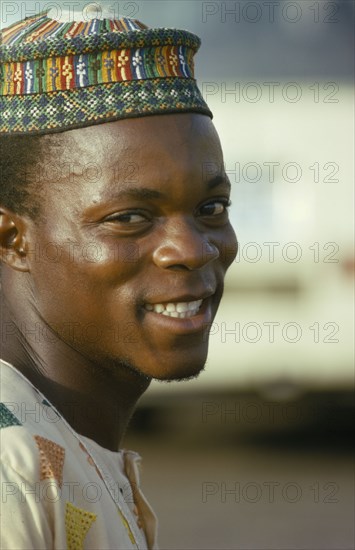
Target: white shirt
60, 490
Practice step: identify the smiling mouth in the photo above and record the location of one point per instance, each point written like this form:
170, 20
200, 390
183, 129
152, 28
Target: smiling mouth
179, 310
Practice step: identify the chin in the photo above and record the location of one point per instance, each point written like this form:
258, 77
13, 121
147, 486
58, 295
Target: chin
178, 377
165, 366
170, 371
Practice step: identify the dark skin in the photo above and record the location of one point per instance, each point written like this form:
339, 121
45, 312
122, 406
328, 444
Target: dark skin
149, 226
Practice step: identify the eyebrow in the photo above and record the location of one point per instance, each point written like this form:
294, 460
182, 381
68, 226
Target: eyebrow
145, 193
218, 180
139, 193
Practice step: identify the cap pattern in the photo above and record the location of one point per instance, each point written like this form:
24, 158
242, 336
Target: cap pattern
82, 70
57, 76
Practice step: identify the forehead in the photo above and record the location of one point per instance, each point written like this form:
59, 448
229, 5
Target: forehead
160, 150
146, 139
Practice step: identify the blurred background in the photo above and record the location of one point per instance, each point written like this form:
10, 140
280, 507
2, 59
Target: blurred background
257, 453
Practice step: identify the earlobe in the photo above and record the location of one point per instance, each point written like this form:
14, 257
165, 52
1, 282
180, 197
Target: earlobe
12, 240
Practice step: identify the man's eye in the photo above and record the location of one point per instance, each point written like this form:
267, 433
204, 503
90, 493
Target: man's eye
127, 218
215, 208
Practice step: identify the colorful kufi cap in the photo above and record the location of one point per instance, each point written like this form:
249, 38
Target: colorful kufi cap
58, 74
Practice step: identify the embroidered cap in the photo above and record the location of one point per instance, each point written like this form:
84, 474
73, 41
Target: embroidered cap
60, 74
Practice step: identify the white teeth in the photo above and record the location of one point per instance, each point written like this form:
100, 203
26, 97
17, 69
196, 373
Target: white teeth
179, 310
182, 307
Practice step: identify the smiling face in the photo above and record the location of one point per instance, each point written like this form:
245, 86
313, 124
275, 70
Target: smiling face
129, 256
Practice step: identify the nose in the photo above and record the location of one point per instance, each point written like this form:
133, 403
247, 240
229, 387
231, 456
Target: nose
184, 247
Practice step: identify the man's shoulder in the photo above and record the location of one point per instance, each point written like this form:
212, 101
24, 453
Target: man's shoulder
29, 426
21, 404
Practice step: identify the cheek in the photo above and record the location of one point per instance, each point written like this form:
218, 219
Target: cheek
71, 273
92, 257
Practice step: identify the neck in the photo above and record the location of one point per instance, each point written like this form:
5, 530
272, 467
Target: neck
97, 398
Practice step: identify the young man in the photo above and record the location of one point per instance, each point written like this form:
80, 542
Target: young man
115, 241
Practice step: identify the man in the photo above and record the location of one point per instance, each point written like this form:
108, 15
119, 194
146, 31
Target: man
115, 240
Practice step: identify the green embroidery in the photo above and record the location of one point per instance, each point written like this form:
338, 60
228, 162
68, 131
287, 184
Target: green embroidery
7, 418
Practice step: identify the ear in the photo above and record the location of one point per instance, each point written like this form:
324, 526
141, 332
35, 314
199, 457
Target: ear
13, 245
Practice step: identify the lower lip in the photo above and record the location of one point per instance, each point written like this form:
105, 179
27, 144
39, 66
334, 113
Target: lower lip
188, 325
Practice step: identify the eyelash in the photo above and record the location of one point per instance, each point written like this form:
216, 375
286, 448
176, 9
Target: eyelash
118, 217
226, 203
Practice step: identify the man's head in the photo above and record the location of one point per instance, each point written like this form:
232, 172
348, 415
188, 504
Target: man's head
118, 238
131, 222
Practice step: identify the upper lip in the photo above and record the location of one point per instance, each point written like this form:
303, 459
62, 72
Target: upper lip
181, 298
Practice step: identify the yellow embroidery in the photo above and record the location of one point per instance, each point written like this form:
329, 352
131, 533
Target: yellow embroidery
51, 459
77, 525
126, 524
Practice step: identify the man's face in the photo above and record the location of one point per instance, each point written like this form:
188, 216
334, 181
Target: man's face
142, 223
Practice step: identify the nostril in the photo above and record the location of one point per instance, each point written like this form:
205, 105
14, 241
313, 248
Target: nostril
186, 252
179, 267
